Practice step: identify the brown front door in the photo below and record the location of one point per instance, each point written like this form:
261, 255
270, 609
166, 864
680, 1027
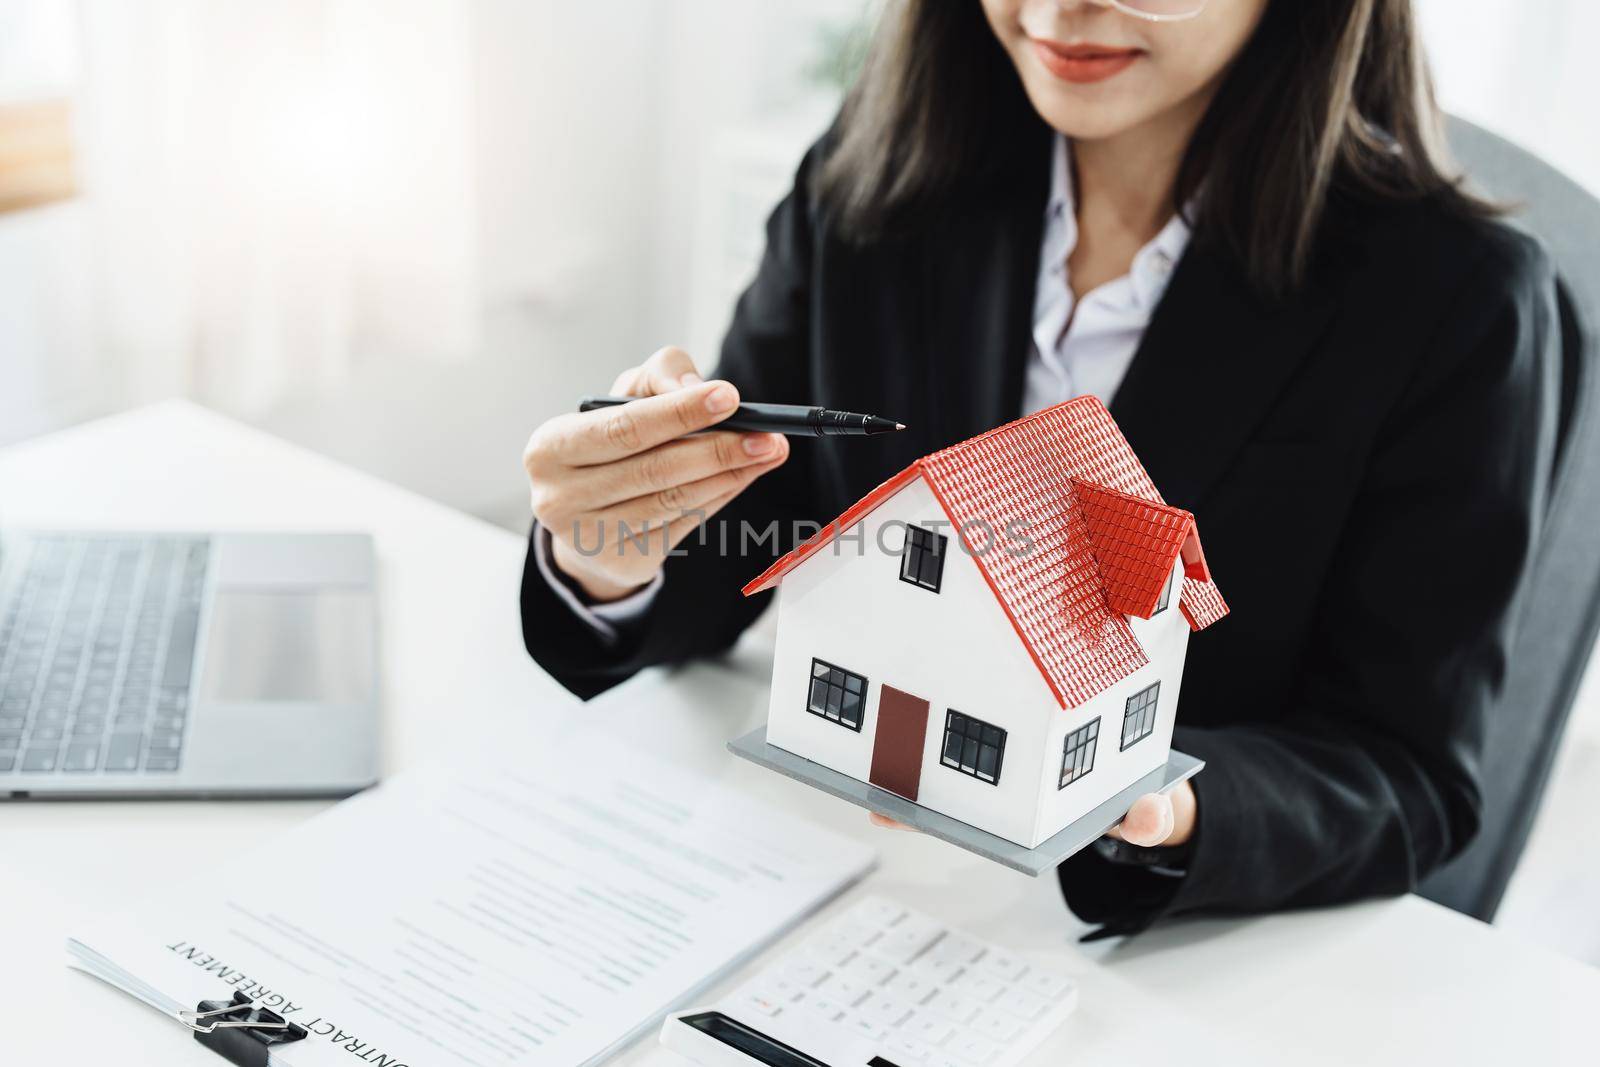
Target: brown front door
897, 746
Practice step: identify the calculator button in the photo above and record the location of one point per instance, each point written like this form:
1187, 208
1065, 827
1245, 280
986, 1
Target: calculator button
956, 948
905, 1049
938, 972
908, 939
886, 1010
867, 1028
761, 1005
784, 988
974, 1050
954, 1006
774, 989
999, 1028
844, 990
1023, 1005
830, 950
868, 970
823, 1006
911, 986
928, 1029
804, 973
1003, 965
1047, 985
980, 987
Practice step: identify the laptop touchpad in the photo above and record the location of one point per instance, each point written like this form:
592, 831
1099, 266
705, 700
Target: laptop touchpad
301, 645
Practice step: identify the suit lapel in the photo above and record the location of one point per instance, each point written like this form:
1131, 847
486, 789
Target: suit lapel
1212, 362
980, 268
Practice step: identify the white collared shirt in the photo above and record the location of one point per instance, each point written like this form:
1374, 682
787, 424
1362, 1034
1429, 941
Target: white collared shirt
1083, 347
1079, 347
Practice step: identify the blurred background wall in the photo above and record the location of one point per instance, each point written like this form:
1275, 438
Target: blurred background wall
404, 232
399, 231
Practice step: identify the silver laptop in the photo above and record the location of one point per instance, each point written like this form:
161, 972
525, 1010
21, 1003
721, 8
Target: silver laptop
196, 665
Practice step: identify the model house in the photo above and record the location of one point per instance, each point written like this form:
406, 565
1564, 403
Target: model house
996, 633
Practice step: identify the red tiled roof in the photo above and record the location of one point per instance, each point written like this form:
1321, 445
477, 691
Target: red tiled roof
1135, 542
1065, 526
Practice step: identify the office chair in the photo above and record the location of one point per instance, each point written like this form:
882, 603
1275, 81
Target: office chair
1559, 615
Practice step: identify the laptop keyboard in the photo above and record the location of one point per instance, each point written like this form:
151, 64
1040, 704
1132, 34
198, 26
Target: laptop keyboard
96, 650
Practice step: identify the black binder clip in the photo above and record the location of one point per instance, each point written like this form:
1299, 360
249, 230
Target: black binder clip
240, 1030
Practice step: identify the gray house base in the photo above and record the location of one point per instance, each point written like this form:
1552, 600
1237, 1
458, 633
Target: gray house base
1076, 836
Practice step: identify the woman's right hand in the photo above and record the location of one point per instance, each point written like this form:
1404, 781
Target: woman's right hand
600, 477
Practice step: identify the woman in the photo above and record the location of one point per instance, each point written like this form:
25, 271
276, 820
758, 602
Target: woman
1229, 220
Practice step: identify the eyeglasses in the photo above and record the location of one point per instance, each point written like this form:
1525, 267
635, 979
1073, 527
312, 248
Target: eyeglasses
1160, 10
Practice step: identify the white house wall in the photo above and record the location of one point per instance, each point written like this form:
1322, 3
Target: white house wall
955, 648
1165, 639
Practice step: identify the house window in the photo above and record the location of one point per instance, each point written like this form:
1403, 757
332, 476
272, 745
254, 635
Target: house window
973, 747
1139, 718
1166, 597
922, 562
1078, 759
837, 695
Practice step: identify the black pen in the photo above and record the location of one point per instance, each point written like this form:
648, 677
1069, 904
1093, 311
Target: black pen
797, 420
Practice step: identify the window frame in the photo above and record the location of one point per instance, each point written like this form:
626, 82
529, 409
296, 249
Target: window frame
979, 739
811, 680
1068, 749
1129, 710
1165, 600
912, 550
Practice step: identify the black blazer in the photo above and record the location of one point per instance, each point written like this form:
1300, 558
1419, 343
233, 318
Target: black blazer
1367, 463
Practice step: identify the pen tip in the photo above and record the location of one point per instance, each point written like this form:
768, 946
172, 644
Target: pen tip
899, 425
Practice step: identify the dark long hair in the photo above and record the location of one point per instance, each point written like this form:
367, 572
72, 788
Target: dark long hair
1329, 97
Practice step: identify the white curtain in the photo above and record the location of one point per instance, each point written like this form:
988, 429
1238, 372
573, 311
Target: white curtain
276, 188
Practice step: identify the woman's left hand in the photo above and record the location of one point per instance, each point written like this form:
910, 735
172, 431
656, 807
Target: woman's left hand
1159, 819
1155, 819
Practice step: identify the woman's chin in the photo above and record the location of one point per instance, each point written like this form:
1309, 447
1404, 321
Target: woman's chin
1082, 120
1089, 112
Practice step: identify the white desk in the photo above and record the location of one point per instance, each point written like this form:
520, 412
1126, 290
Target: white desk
1396, 982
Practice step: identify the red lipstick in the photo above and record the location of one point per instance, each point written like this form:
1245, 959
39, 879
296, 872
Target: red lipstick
1084, 63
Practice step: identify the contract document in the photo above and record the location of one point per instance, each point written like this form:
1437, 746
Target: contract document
547, 911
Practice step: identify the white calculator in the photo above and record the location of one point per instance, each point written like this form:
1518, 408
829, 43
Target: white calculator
881, 986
